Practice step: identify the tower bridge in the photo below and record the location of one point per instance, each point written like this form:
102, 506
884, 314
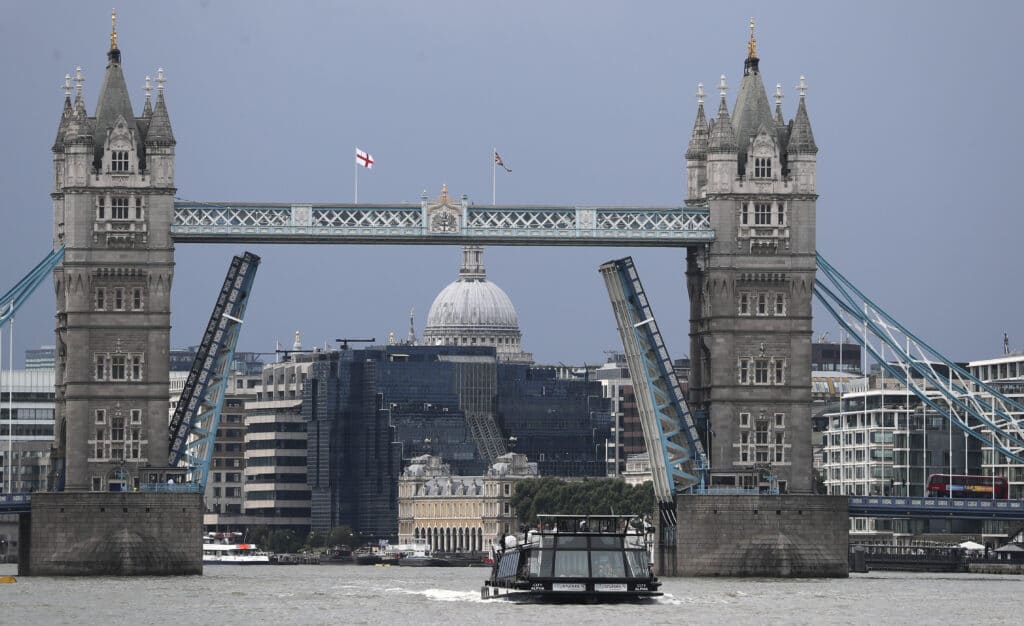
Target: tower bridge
747, 223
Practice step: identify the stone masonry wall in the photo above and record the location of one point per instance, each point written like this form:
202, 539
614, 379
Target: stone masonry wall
115, 534
766, 536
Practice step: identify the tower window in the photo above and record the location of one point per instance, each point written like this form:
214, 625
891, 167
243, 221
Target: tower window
118, 367
762, 214
780, 369
744, 303
762, 167
101, 298
760, 371
136, 367
119, 208
101, 367
118, 298
782, 214
119, 160
137, 298
744, 373
744, 421
780, 304
762, 304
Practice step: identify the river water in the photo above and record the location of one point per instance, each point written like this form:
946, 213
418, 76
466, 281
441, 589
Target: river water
351, 594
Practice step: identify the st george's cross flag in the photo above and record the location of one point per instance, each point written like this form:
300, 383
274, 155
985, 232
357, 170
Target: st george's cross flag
364, 159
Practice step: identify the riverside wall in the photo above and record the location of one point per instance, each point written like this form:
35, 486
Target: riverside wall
114, 534
787, 536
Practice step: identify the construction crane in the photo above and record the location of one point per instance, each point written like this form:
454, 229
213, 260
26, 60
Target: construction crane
678, 461
194, 424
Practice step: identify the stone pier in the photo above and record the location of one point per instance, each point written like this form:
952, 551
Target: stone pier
114, 534
789, 536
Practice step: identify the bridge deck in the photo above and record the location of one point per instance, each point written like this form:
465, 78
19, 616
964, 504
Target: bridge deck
422, 224
933, 508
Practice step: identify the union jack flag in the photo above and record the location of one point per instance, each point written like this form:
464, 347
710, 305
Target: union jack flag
500, 163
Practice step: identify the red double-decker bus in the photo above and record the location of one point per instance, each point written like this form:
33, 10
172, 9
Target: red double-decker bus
967, 486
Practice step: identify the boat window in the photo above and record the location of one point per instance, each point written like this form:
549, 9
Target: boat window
572, 542
508, 565
606, 543
639, 565
541, 562
607, 565
571, 563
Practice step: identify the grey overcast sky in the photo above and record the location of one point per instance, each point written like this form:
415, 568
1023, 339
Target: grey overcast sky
914, 105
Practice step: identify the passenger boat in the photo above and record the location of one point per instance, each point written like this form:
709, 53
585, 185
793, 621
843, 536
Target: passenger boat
575, 558
227, 549
415, 554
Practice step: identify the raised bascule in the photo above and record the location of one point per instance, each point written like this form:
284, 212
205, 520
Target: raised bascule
748, 225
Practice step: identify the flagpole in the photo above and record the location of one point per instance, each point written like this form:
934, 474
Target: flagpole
494, 175
355, 166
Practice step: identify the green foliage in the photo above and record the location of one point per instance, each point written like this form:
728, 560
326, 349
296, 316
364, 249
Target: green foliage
283, 541
343, 536
316, 540
257, 535
595, 496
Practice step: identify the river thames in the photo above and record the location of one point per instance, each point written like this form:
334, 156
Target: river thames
350, 594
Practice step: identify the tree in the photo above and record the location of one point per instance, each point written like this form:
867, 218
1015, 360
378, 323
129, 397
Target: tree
343, 536
283, 541
600, 496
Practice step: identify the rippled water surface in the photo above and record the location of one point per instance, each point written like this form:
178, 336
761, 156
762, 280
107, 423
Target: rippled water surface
350, 594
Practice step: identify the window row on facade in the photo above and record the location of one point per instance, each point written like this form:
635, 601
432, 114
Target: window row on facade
763, 214
118, 367
761, 303
761, 371
118, 299
116, 207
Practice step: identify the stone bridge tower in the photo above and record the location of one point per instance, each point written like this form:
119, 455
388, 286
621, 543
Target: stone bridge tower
113, 201
750, 291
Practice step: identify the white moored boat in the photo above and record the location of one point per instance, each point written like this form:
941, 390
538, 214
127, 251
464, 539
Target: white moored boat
226, 549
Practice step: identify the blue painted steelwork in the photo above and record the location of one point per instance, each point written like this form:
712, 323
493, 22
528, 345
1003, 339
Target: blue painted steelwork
16, 296
971, 405
194, 424
465, 223
15, 503
668, 427
934, 508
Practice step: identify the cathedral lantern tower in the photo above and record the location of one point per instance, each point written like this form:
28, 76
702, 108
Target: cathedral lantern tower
750, 290
113, 202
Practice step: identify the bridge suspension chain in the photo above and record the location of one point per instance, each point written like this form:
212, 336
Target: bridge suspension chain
972, 406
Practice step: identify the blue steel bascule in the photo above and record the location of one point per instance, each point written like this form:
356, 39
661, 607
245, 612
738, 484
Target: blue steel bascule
194, 424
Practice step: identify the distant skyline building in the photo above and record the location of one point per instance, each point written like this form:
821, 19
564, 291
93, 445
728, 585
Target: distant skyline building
472, 311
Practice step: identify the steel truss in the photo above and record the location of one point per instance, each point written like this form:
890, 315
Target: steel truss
676, 453
197, 415
506, 225
969, 404
13, 299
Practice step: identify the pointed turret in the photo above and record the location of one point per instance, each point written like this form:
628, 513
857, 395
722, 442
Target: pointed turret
752, 109
159, 133
801, 151
801, 138
113, 102
698, 148
721, 137
147, 108
697, 151
65, 116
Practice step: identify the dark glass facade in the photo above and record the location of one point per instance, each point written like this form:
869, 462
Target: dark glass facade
560, 423
353, 462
